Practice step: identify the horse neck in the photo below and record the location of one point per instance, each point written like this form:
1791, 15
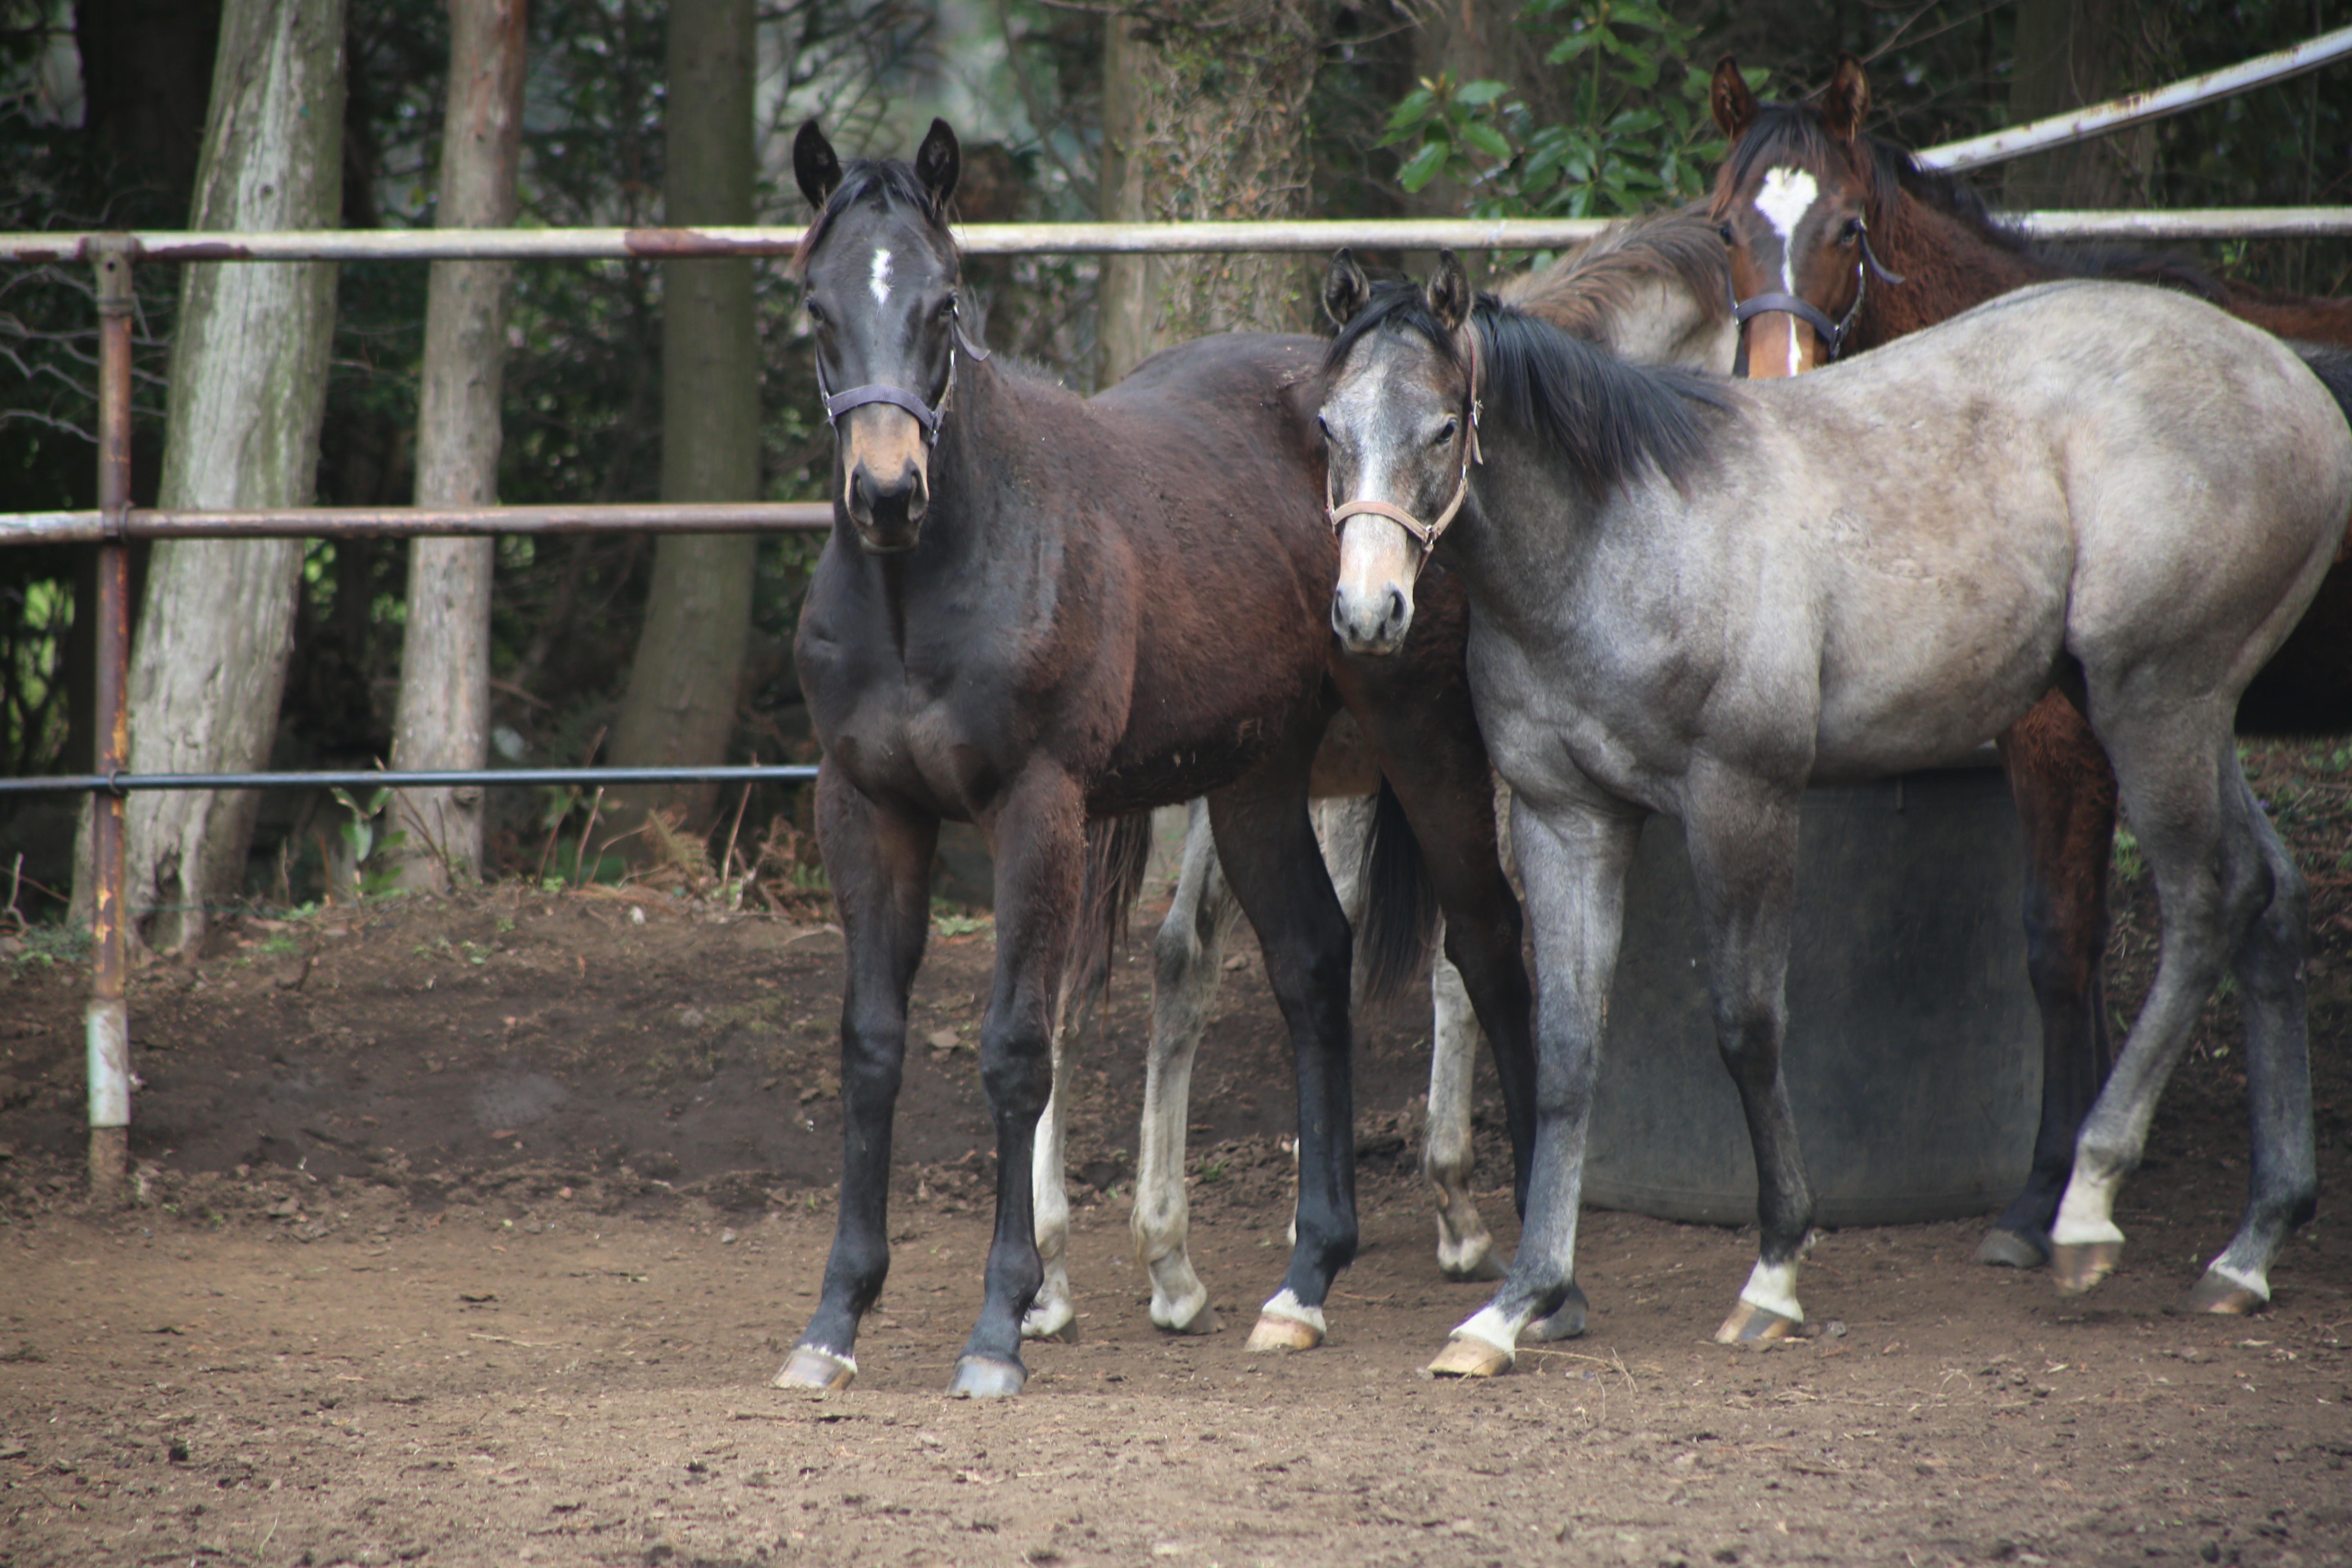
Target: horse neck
1532, 525
1947, 266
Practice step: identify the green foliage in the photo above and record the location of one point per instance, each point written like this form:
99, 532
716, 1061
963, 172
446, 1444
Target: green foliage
373, 870
1633, 145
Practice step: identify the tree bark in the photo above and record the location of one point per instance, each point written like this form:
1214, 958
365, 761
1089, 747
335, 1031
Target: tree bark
248, 378
679, 706
1205, 109
2068, 54
443, 714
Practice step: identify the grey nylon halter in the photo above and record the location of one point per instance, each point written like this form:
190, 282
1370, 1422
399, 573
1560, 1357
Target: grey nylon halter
927, 415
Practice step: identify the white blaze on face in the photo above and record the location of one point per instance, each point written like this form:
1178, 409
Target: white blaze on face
879, 279
1787, 194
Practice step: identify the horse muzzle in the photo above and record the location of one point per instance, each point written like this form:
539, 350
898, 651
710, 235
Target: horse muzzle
886, 507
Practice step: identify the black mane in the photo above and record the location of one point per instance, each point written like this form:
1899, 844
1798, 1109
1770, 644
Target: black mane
1614, 422
891, 181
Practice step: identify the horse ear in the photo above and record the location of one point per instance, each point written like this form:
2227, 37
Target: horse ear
814, 165
1346, 290
1731, 99
938, 161
1449, 291
1846, 99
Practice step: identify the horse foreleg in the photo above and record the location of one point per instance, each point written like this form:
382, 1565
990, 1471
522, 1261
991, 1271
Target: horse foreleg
1038, 837
1574, 865
2065, 795
1186, 954
1267, 847
879, 865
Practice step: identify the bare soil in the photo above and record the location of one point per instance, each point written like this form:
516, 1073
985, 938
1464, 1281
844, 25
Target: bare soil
472, 1231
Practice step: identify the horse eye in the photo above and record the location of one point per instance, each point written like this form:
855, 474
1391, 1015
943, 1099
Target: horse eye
1851, 231
947, 307
1322, 429
1725, 229
815, 313
1445, 431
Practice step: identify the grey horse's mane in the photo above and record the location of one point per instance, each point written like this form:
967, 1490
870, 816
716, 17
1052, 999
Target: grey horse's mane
1583, 290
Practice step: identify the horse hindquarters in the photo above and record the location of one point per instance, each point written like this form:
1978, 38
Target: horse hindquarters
879, 863
2065, 798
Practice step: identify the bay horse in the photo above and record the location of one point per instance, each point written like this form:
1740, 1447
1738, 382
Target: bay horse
1841, 242
1045, 614
1655, 290
1700, 598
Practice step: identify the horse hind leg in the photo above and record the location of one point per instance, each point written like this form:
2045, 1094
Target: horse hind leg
2216, 875
1053, 1312
1186, 954
2283, 1190
1465, 1248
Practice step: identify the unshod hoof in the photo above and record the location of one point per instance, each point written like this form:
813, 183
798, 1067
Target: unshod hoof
1489, 1264
2003, 1248
809, 1367
1752, 1324
1204, 1321
2075, 1267
986, 1377
1275, 1333
1065, 1333
1465, 1356
2220, 1294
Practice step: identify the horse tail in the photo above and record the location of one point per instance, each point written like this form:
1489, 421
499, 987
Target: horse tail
1400, 923
1119, 851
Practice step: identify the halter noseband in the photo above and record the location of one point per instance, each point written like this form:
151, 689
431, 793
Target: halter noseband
1425, 534
1834, 333
927, 415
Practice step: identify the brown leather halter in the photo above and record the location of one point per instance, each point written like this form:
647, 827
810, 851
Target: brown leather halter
1425, 534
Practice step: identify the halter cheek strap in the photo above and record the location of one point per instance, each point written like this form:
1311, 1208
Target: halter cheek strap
1425, 534
927, 415
1834, 333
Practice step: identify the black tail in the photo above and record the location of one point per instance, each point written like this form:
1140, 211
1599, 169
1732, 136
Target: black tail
1118, 849
2333, 366
1400, 904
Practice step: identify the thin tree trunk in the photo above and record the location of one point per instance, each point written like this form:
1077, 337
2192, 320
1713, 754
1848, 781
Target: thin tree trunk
1205, 102
248, 379
444, 715
2068, 54
679, 706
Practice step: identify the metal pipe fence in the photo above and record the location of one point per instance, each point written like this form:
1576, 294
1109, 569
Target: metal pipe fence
115, 523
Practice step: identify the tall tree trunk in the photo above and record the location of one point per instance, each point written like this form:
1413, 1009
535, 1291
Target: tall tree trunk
679, 706
2068, 54
444, 716
249, 380
1206, 108
145, 68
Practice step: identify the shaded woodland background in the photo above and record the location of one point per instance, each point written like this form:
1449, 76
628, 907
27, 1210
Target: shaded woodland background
1235, 108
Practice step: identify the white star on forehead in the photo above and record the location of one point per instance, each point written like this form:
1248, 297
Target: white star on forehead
880, 279
1787, 194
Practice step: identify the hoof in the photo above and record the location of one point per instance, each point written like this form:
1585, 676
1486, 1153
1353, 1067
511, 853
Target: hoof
2005, 1248
2219, 1294
1465, 1356
1275, 1333
2077, 1266
1751, 1324
986, 1377
1204, 1321
809, 1367
1566, 1322
1487, 1266
1035, 1327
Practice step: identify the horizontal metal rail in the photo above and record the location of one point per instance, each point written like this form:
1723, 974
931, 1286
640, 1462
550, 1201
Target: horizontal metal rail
2132, 109
351, 522
450, 778
1320, 236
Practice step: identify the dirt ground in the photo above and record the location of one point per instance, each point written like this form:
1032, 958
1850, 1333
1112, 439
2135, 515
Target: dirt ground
472, 1231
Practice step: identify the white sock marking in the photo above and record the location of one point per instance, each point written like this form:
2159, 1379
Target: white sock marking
1773, 1286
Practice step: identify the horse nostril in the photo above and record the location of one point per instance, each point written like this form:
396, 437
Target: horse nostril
1396, 607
